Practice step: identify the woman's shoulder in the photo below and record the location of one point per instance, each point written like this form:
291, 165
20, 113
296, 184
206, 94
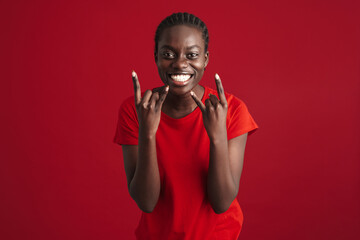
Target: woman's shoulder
128, 101
127, 107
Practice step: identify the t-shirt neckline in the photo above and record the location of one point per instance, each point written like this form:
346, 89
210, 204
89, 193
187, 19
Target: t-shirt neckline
191, 115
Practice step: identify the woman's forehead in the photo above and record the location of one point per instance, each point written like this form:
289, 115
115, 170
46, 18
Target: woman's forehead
181, 35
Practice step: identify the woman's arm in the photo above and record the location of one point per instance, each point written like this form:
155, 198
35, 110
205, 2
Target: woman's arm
140, 160
225, 167
226, 157
142, 172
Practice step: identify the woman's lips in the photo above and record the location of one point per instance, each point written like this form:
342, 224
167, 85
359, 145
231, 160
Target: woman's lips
180, 79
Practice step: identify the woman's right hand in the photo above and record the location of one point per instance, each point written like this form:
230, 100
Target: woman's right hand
148, 107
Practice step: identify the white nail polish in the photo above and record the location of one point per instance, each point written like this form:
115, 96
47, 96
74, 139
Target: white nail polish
133, 73
217, 76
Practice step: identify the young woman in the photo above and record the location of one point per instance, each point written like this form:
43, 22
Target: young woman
183, 143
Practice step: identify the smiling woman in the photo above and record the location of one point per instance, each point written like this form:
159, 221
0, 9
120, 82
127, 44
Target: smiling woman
181, 58
184, 143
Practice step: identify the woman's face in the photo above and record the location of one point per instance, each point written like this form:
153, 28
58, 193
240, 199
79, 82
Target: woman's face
181, 58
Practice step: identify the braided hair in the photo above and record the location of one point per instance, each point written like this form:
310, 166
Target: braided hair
182, 19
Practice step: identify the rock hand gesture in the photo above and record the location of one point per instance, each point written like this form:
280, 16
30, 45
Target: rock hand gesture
148, 107
214, 112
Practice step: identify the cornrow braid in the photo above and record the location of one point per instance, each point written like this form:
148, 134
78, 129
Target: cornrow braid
182, 19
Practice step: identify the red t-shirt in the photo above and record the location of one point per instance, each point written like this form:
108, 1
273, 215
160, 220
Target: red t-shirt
183, 210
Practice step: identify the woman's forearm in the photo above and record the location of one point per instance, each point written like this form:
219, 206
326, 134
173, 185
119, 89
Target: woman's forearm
145, 185
221, 186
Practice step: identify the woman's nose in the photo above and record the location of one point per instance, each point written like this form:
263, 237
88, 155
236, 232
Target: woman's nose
180, 62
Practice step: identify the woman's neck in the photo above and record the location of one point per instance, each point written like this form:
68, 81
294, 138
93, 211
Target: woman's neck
178, 106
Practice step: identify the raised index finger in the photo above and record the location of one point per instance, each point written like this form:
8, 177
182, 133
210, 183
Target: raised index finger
137, 89
220, 89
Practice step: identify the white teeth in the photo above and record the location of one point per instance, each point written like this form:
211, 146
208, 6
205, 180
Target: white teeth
180, 77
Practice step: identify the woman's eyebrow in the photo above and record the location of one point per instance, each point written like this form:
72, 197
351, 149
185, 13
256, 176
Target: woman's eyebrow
171, 48
168, 47
194, 46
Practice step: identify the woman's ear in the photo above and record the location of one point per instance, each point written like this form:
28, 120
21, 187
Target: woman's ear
156, 56
206, 59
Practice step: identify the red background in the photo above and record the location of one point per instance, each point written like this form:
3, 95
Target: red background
66, 67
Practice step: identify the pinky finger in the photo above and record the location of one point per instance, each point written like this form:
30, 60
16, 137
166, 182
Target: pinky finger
198, 101
162, 97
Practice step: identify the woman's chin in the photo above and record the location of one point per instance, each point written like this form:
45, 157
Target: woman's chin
182, 90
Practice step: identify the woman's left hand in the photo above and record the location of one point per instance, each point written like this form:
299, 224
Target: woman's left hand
214, 112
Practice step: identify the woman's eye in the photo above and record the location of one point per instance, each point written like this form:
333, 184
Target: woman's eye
168, 55
193, 55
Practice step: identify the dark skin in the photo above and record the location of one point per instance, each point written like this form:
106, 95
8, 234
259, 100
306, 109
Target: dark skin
181, 50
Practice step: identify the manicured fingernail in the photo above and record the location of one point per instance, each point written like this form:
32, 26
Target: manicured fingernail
167, 88
192, 93
133, 73
217, 76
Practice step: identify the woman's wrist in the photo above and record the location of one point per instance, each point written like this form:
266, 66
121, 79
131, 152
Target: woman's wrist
217, 138
146, 135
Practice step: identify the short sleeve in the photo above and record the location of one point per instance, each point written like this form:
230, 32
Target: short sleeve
239, 119
127, 129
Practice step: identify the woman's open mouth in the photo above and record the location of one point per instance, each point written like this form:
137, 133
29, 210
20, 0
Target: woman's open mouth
180, 79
